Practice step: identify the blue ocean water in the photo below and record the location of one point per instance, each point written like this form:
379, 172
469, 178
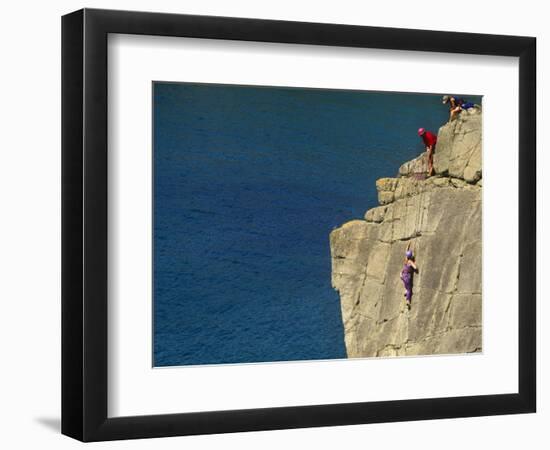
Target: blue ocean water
248, 183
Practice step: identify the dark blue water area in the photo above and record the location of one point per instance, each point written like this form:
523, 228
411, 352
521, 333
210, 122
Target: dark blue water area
248, 184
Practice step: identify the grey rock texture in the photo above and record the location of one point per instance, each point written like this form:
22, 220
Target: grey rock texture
441, 217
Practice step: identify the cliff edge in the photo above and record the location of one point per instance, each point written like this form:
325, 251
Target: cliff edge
441, 217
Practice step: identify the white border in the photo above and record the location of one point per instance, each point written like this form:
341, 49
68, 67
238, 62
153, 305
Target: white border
135, 388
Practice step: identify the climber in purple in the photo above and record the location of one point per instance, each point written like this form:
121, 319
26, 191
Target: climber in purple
407, 272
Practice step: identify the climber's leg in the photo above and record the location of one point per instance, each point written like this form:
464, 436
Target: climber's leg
407, 282
454, 112
430, 151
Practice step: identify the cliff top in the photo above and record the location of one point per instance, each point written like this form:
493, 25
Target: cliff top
458, 150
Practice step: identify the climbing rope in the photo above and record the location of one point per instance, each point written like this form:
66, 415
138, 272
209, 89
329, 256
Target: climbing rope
419, 212
419, 177
418, 219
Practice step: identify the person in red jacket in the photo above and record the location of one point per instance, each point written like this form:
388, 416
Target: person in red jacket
429, 140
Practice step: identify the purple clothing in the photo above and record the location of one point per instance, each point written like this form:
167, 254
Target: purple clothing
406, 277
407, 270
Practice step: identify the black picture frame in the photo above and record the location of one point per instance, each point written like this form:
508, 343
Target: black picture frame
84, 224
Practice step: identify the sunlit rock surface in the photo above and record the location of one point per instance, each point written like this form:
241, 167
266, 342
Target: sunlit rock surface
441, 217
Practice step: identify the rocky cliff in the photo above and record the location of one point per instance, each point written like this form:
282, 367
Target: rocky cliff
441, 217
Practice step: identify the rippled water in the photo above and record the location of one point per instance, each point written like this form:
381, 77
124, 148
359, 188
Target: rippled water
248, 184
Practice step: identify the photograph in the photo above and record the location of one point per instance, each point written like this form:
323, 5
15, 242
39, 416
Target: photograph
273, 224
266, 225
301, 224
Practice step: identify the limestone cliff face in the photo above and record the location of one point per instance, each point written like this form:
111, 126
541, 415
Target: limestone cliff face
441, 217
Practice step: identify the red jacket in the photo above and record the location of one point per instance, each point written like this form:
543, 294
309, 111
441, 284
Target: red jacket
429, 139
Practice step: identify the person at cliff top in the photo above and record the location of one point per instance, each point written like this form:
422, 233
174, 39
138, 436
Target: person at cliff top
429, 140
456, 105
406, 275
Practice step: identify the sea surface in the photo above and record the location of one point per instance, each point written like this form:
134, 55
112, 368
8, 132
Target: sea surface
248, 184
